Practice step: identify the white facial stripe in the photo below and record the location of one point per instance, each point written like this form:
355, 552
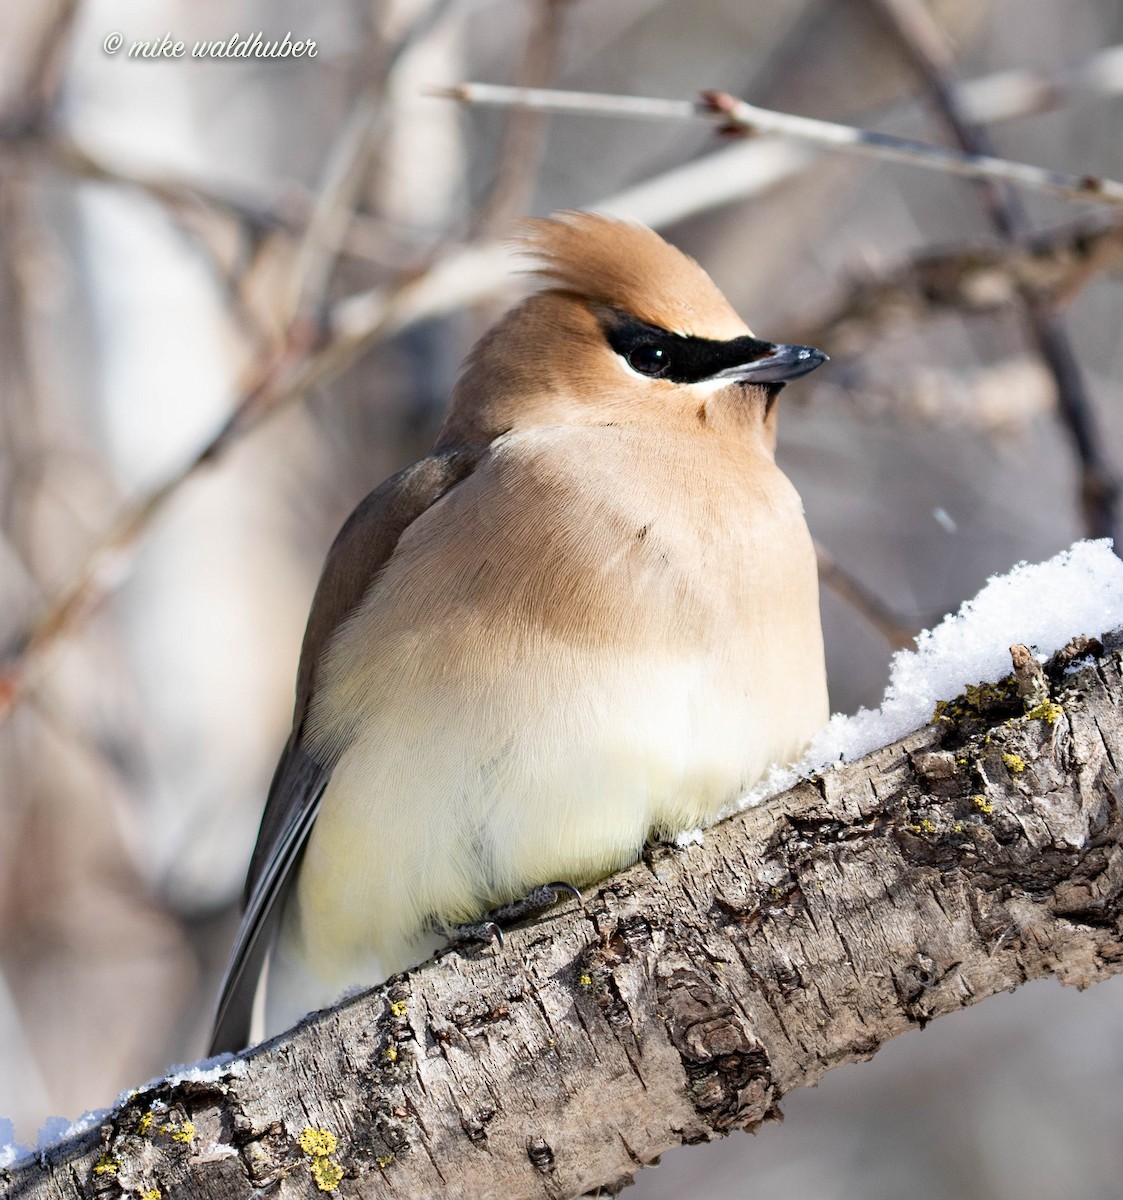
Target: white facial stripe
707, 387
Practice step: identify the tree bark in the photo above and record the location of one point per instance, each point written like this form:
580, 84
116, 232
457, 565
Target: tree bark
692, 992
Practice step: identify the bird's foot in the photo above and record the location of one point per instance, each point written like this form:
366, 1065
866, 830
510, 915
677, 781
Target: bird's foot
475, 931
534, 902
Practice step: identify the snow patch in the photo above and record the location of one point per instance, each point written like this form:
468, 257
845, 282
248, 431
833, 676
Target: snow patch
53, 1131
59, 1129
62, 1129
210, 1070
1041, 605
10, 1150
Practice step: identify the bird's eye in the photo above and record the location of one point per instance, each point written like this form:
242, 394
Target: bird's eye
649, 359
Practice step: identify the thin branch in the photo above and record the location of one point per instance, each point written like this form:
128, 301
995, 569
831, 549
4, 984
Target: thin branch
738, 117
43, 76
731, 173
288, 211
346, 171
923, 42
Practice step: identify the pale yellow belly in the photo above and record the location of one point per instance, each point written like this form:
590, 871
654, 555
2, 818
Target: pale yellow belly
455, 801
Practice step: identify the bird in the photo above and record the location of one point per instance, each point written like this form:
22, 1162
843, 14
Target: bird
588, 619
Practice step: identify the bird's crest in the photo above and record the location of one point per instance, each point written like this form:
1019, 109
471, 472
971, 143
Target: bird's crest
622, 265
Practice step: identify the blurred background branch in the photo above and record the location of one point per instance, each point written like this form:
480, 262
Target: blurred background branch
233, 297
1053, 266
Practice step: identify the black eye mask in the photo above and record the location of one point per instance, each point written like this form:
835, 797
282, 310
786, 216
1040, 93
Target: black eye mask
679, 358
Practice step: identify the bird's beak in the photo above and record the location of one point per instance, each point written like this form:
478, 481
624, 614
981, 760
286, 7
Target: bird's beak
779, 364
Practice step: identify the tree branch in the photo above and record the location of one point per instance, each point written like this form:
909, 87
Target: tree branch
738, 117
692, 992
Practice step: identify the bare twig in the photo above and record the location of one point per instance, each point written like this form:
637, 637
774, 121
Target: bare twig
288, 211
730, 173
923, 42
738, 117
20, 402
344, 175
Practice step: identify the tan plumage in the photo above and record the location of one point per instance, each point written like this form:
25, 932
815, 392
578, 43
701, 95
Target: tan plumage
588, 618
614, 263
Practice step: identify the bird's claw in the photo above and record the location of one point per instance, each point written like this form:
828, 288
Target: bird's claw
559, 889
569, 890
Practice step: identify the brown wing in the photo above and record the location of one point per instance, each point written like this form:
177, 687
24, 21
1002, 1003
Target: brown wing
363, 546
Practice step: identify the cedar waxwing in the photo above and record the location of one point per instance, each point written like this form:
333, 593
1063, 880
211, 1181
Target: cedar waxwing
589, 618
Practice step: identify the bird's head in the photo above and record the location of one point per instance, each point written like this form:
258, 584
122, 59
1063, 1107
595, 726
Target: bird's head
625, 330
